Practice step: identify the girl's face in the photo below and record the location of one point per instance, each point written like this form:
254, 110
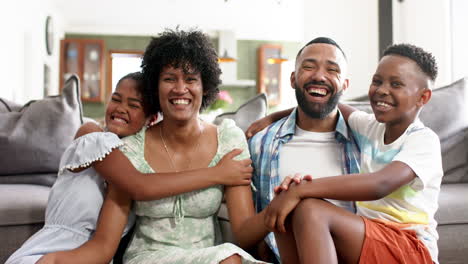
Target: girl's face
124, 113
180, 94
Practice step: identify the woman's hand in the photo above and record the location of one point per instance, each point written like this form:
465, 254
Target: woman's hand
297, 178
234, 172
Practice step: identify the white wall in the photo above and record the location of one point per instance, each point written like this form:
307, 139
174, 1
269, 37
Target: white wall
426, 23
249, 19
24, 53
459, 11
354, 26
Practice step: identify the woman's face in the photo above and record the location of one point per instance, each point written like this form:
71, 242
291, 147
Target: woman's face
180, 94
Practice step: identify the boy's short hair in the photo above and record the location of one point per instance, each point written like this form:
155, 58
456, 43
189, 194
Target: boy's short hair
425, 60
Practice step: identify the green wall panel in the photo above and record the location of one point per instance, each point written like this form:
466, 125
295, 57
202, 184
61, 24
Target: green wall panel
246, 64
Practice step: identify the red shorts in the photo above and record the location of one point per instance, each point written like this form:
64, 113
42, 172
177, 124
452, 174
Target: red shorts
386, 242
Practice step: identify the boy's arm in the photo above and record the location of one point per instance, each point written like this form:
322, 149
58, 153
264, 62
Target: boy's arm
118, 170
346, 110
102, 247
263, 122
350, 187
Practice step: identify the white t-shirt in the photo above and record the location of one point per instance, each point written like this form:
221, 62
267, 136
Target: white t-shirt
416, 202
314, 153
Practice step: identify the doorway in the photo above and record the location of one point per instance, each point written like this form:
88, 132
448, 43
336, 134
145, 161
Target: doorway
121, 63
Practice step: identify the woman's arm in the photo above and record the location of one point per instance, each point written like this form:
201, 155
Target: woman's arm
346, 110
102, 247
118, 170
260, 124
248, 227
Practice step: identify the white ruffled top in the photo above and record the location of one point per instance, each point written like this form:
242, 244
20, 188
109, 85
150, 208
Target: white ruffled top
75, 200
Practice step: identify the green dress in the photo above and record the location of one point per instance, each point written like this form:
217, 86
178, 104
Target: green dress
183, 228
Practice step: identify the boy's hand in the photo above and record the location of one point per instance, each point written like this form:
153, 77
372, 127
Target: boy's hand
279, 208
258, 125
290, 180
234, 172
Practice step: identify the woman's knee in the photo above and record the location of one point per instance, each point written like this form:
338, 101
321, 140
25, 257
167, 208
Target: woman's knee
234, 259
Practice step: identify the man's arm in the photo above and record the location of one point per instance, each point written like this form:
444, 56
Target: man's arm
346, 110
260, 124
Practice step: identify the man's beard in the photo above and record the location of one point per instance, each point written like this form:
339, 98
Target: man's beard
316, 110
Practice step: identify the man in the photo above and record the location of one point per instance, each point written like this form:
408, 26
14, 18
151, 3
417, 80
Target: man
313, 138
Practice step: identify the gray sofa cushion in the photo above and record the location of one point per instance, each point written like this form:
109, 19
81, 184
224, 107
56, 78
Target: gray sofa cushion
32, 140
446, 112
22, 204
46, 179
250, 111
453, 204
8, 106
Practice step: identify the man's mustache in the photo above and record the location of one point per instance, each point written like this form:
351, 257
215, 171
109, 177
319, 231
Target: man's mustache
314, 82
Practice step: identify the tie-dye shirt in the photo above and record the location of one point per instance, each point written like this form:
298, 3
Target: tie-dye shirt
413, 204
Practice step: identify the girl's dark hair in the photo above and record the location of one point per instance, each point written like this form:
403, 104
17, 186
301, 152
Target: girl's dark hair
140, 84
137, 77
189, 50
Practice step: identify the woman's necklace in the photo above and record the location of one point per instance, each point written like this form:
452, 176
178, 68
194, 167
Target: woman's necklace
167, 149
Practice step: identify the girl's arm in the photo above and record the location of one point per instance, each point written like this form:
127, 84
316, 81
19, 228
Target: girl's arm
102, 247
248, 227
263, 122
351, 187
346, 110
118, 170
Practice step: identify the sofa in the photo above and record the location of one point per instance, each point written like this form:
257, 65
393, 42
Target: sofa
32, 138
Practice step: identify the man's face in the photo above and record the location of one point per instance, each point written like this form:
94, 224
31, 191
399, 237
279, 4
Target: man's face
319, 79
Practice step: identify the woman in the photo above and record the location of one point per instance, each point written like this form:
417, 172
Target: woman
182, 78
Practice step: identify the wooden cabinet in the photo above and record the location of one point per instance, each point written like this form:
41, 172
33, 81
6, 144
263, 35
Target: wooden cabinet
84, 57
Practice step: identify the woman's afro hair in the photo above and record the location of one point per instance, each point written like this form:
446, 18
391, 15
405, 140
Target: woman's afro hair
192, 51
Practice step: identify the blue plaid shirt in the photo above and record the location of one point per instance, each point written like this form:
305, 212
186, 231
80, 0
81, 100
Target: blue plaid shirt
264, 150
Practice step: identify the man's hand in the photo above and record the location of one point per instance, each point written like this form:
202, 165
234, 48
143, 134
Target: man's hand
279, 209
297, 178
234, 172
258, 125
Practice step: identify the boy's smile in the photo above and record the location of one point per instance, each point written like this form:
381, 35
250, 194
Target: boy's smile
396, 90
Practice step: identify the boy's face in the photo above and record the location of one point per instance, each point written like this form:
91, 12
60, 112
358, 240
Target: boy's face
398, 90
124, 112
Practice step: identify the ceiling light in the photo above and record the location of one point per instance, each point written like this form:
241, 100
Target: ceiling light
226, 57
